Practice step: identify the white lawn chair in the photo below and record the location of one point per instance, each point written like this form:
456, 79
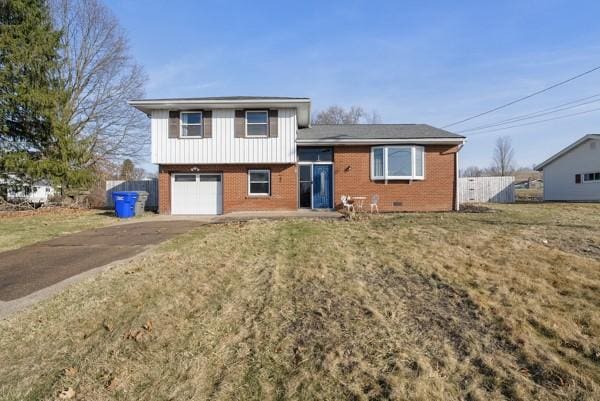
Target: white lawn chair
374, 202
346, 204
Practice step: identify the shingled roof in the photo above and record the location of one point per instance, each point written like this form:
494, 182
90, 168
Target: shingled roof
350, 132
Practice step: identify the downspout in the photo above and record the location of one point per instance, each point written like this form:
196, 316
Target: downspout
456, 200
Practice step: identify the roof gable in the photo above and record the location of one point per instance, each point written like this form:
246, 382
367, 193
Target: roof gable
566, 150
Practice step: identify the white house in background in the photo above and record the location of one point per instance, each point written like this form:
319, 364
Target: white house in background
39, 193
573, 174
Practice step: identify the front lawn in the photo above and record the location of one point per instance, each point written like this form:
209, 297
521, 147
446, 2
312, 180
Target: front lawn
439, 306
19, 229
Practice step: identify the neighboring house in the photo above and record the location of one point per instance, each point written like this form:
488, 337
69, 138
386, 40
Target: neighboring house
223, 154
39, 192
573, 174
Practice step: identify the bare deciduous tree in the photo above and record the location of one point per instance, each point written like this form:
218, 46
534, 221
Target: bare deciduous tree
339, 115
372, 117
472, 171
99, 77
503, 159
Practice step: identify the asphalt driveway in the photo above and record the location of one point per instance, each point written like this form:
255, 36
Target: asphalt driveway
29, 269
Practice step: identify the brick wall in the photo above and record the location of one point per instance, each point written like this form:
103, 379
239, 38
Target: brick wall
235, 186
352, 177
352, 166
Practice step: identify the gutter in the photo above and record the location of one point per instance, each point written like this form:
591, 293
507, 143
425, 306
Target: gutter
375, 141
456, 199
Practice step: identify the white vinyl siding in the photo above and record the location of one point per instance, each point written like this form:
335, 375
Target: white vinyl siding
223, 147
559, 175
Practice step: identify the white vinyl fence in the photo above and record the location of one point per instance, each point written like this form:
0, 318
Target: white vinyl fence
486, 189
150, 186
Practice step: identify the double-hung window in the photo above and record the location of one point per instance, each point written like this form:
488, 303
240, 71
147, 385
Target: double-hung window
397, 163
257, 123
259, 182
191, 124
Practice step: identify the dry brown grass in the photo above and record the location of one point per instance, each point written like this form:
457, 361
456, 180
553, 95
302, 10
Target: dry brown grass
480, 306
529, 194
22, 228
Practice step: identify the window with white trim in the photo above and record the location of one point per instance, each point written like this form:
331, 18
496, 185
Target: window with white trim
190, 124
259, 182
398, 162
257, 123
591, 177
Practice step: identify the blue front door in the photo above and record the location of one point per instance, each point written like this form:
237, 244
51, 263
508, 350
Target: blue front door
322, 186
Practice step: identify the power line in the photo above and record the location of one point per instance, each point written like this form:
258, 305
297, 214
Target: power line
524, 97
529, 116
536, 122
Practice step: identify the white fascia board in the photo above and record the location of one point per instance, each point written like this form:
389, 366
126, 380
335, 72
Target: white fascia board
417, 141
301, 105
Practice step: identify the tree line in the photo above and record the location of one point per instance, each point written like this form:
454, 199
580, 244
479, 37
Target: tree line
65, 77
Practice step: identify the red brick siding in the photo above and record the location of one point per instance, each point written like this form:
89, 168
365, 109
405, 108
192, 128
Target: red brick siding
435, 193
352, 166
235, 186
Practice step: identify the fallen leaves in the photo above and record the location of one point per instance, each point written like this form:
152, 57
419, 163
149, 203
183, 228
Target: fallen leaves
139, 334
66, 394
112, 383
107, 325
148, 326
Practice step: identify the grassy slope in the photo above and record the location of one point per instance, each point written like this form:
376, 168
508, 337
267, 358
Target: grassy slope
484, 306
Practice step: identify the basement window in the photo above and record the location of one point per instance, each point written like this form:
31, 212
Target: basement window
398, 162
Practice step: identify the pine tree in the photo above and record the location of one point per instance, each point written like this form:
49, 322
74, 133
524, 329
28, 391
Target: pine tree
34, 142
27, 100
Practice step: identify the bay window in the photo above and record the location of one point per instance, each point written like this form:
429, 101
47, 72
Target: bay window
397, 163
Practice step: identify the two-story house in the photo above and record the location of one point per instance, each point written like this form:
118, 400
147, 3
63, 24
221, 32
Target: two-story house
223, 154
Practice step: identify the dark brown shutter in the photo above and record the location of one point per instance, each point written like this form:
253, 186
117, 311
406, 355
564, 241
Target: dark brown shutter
207, 124
173, 124
577, 178
273, 117
239, 126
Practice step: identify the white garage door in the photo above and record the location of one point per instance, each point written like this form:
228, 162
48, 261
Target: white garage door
196, 194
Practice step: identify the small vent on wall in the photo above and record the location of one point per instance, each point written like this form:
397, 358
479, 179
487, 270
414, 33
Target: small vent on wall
593, 144
396, 203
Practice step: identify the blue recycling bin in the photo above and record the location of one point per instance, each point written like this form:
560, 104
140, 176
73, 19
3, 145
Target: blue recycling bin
124, 203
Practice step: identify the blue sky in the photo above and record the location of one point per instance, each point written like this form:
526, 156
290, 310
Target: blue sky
411, 61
